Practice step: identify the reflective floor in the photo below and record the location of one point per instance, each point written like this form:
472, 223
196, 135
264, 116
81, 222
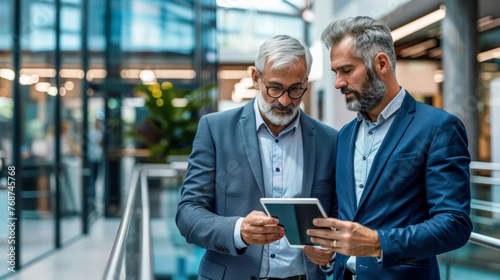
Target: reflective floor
84, 258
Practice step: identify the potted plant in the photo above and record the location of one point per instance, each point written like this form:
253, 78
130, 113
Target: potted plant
174, 119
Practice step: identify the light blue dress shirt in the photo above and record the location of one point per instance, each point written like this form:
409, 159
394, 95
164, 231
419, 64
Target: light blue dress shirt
369, 138
282, 164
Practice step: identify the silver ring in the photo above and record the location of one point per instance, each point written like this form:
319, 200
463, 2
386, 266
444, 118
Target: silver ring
334, 243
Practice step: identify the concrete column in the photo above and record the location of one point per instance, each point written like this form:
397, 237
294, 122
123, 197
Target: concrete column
459, 44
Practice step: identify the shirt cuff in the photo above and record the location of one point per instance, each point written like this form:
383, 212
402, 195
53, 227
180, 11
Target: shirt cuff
329, 266
238, 242
379, 260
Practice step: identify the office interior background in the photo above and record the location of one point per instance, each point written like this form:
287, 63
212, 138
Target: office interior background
66, 63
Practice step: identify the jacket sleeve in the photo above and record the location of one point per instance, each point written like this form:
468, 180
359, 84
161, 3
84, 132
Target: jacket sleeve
196, 215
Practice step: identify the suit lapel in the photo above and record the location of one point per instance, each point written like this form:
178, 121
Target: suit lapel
309, 150
349, 175
252, 149
398, 128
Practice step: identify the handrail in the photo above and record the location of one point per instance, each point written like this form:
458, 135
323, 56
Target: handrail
139, 179
485, 241
146, 265
491, 206
481, 165
113, 267
114, 264
484, 205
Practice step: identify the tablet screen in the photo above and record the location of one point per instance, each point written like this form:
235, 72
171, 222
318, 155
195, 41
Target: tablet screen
296, 216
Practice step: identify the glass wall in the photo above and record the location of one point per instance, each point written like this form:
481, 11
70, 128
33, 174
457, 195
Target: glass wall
242, 26
78, 63
6, 125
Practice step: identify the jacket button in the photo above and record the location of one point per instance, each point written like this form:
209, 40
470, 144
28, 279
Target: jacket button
342, 266
253, 278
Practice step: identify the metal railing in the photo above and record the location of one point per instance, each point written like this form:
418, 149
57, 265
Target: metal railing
484, 178
133, 245
489, 206
485, 241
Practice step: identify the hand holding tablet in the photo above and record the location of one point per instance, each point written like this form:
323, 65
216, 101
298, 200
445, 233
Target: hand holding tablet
296, 216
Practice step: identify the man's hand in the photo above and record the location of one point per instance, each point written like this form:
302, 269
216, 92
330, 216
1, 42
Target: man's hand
318, 256
349, 238
259, 229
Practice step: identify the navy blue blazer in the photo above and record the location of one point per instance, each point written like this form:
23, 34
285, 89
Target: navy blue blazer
224, 181
417, 195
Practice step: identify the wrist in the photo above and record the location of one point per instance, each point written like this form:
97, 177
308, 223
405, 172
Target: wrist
377, 246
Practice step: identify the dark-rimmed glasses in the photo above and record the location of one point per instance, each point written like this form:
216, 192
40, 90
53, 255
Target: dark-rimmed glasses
277, 91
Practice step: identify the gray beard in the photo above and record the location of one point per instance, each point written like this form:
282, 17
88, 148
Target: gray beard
374, 91
275, 117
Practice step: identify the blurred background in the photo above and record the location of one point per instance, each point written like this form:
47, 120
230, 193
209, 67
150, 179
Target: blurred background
99, 103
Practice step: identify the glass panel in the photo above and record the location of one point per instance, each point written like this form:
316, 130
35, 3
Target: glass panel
71, 125
5, 26
97, 40
6, 112
158, 27
263, 5
238, 29
37, 90
470, 262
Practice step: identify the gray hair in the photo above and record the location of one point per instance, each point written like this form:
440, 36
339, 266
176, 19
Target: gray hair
370, 38
281, 51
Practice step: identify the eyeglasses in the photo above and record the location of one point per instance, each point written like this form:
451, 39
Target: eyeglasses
277, 91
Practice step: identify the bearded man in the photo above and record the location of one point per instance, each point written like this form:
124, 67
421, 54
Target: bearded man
402, 167
267, 148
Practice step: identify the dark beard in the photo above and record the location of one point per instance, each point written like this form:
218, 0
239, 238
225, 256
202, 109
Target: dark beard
374, 91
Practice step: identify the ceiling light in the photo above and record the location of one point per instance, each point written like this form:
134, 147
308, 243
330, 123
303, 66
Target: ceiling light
418, 48
487, 55
40, 72
52, 91
418, 24
43, 86
308, 15
72, 73
175, 73
487, 23
435, 53
147, 77
234, 74
7, 74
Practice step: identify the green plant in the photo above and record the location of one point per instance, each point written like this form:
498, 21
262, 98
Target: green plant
174, 117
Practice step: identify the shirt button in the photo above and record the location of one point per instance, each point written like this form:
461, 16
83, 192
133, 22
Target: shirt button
276, 140
273, 256
370, 133
364, 158
361, 186
278, 169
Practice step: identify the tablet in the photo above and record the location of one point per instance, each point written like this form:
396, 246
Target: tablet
296, 215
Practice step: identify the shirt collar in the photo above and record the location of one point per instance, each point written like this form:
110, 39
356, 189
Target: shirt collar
260, 121
390, 110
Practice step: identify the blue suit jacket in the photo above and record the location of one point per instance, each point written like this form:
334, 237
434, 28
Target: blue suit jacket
224, 181
417, 195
